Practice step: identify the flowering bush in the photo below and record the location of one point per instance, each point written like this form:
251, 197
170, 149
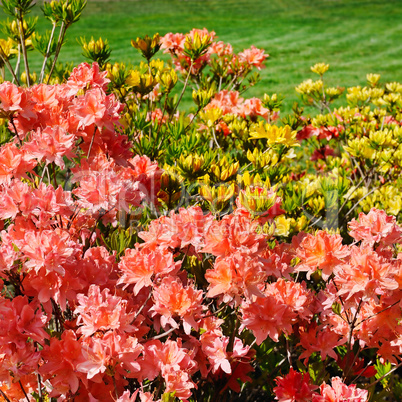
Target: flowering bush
227, 252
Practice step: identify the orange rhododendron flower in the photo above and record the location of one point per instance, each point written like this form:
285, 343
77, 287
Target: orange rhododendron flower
321, 251
173, 300
143, 266
376, 227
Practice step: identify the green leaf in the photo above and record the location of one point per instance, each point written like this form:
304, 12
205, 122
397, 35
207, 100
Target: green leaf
169, 397
382, 371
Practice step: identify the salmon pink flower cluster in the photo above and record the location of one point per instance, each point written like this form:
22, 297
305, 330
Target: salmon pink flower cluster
216, 52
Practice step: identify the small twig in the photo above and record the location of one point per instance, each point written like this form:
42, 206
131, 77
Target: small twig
356, 187
233, 334
49, 180
353, 362
385, 375
62, 33
314, 223
164, 334
361, 373
373, 315
42, 71
217, 311
73, 216
288, 353
382, 124
184, 87
23, 390
358, 202
4, 396
142, 307
340, 298
232, 82
24, 49
350, 335
214, 136
18, 63
220, 83
43, 174
92, 141
101, 215
15, 129
192, 119
40, 389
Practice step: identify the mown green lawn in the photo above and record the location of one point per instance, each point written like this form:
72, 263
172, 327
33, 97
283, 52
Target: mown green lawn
355, 37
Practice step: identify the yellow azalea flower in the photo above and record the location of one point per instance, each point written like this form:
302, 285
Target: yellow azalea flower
320, 68
224, 170
261, 159
309, 87
218, 196
211, 116
274, 134
148, 46
258, 200
282, 225
373, 79
7, 48
247, 180
168, 79
394, 87
133, 79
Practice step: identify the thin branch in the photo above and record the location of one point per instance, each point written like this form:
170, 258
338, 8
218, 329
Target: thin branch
7, 63
62, 33
382, 377
43, 174
217, 311
288, 353
42, 71
373, 315
214, 136
40, 388
142, 307
15, 129
184, 87
358, 202
23, 47
163, 334
101, 215
4, 396
23, 390
314, 223
92, 141
361, 373
192, 119
220, 83
356, 187
340, 298
382, 123
17, 65
231, 83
